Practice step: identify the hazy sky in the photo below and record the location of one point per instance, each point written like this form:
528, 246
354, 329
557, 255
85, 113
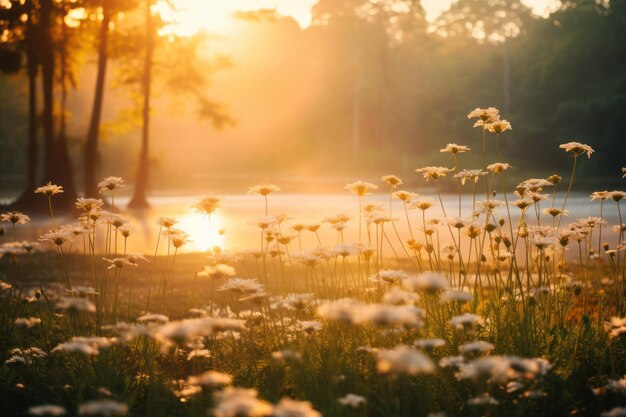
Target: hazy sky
216, 15
301, 9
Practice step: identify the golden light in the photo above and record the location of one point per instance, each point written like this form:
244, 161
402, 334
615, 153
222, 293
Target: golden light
74, 17
188, 17
203, 233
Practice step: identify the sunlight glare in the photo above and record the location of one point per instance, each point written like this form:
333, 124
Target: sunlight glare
188, 17
204, 234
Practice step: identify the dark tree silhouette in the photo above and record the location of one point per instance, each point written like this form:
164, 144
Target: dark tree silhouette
91, 158
139, 199
37, 38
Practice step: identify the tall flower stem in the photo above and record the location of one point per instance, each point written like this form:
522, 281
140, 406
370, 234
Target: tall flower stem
156, 249
456, 244
497, 147
54, 226
569, 188
396, 230
408, 222
600, 226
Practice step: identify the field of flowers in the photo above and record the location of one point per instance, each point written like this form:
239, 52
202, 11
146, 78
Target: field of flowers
497, 323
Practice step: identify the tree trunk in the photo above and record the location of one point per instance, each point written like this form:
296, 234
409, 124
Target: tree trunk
28, 199
33, 148
47, 72
57, 164
63, 171
139, 199
91, 156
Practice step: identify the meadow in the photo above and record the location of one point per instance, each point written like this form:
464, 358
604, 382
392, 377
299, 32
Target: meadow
501, 306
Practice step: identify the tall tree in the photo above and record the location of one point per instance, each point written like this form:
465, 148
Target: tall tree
139, 199
22, 41
52, 43
182, 70
37, 28
90, 151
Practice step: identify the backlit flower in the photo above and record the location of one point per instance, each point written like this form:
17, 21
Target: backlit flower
76, 304
617, 195
126, 229
553, 211
453, 148
361, 188
422, 204
110, 184
403, 360
153, 318
498, 167
476, 346
392, 180
58, 237
211, 379
433, 173
89, 204
614, 412
339, 218
47, 410
292, 408
470, 175
178, 238
466, 320
352, 400
309, 326
14, 217
487, 115
117, 263
104, 408
405, 196
263, 189
458, 296
27, 322
600, 195
577, 148
430, 282
498, 126
240, 402
49, 189
89, 346
241, 285
430, 343
166, 222
208, 204
533, 185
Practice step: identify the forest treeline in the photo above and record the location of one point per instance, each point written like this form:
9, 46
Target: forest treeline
376, 84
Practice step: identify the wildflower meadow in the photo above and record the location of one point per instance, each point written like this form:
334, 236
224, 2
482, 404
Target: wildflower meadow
497, 304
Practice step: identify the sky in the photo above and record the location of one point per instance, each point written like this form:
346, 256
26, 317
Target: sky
301, 9
434, 7
216, 15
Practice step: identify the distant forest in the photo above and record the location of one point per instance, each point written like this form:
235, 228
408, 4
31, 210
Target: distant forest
379, 87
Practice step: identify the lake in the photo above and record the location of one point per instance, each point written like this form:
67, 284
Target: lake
238, 212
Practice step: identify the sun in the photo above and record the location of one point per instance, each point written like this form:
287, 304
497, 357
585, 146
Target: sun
188, 17
203, 233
